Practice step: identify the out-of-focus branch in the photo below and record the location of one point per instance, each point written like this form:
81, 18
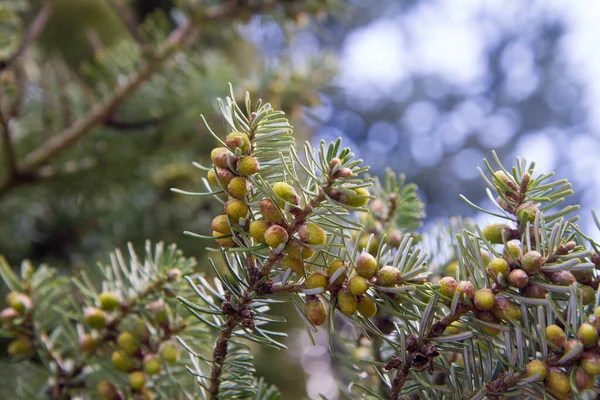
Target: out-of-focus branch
181, 37
34, 30
128, 18
9, 153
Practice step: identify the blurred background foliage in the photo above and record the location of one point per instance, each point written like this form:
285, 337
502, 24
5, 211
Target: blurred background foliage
425, 87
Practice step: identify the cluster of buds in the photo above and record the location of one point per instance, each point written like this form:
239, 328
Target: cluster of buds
378, 225
133, 351
16, 321
351, 291
579, 355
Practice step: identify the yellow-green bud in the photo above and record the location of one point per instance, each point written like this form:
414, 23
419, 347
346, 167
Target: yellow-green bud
169, 352
219, 156
109, 301
366, 307
152, 364
276, 235
448, 286
493, 233
20, 347
505, 310
286, 193
453, 329
366, 265
357, 285
587, 294
236, 210
526, 213
556, 335
88, 344
316, 280
508, 181
388, 276
537, 367
316, 311
334, 266
557, 381
223, 239
484, 299
295, 249
212, 177
512, 250
489, 330
257, 230
359, 199
295, 264
141, 331
347, 303
107, 391
590, 362
94, 317
270, 211
20, 302
518, 278
497, 269
238, 187
238, 140
485, 256
312, 234
220, 223
137, 380
128, 343
248, 166
587, 334
121, 361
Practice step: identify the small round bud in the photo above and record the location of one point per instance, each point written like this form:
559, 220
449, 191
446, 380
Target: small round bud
141, 331
248, 166
493, 233
575, 347
121, 361
489, 330
212, 177
334, 162
295, 264
152, 364
587, 334
297, 250
587, 294
366, 265
7, 316
583, 380
505, 310
448, 286
173, 274
537, 367
562, 278
236, 210
466, 290
344, 173
20, 302
20, 347
275, 236
498, 269
223, 239
388, 276
137, 380
485, 256
128, 343
557, 381
238, 140
312, 234
531, 262
107, 391
534, 291
359, 199
219, 156
453, 329
258, 229
512, 250
286, 193
484, 299
590, 362
518, 278
357, 285
224, 175
238, 187
169, 352
334, 266
366, 307
316, 280
88, 344
347, 303
316, 311
94, 317
507, 181
109, 301
270, 211
556, 335
526, 213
